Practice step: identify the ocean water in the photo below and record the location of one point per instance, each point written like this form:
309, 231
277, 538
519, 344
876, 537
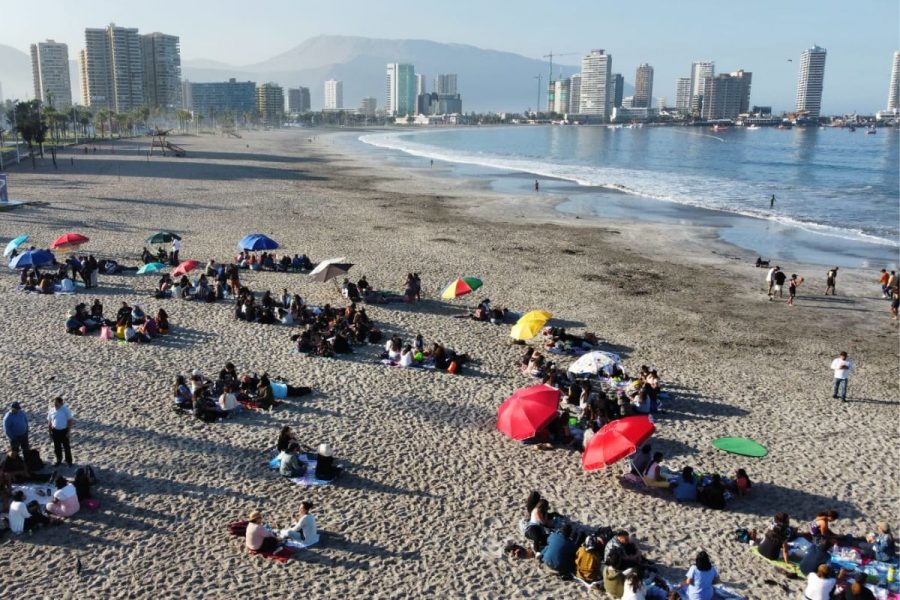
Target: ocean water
837, 192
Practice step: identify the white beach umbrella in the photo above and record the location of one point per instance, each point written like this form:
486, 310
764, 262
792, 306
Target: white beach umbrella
594, 362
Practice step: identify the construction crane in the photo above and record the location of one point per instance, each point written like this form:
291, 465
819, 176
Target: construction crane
551, 55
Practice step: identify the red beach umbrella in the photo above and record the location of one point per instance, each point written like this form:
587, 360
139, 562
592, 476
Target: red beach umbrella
527, 410
615, 441
69, 241
184, 267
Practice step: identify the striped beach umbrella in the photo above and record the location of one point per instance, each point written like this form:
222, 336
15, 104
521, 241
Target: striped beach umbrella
461, 287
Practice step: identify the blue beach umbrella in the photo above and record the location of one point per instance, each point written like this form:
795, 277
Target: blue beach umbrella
15, 244
151, 268
32, 258
257, 241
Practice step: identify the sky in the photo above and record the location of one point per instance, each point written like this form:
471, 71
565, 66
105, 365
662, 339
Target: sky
765, 37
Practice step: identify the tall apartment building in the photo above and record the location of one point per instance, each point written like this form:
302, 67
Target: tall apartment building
893, 103
616, 90
809, 85
561, 96
643, 86
334, 95
368, 106
420, 84
445, 83
112, 69
683, 94
235, 97
726, 95
701, 71
298, 100
162, 70
270, 103
574, 93
50, 70
401, 89
596, 77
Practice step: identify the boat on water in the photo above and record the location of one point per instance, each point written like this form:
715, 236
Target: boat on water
871, 131
753, 128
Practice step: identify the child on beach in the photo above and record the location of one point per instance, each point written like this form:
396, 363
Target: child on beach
793, 284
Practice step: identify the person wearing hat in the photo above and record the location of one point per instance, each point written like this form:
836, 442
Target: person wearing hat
304, 531
258, 538
325, 468
15, 426
880, 546
589, 560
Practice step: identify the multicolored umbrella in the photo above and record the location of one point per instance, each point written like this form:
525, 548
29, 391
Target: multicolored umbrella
32, 258
530, 324
256, 242
527, 410
13, 244
461, 287
185, 267
151, 268
616, 440
69, 241
162, 237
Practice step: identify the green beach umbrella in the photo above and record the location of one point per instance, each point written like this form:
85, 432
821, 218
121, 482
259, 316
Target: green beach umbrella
162, 237
151, 268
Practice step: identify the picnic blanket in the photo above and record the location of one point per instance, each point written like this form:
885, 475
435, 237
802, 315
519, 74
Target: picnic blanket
281, 555
309, 478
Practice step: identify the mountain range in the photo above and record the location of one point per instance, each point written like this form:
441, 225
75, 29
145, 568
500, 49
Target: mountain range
487, 79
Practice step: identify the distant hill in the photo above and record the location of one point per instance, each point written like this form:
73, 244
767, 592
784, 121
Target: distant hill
487, 79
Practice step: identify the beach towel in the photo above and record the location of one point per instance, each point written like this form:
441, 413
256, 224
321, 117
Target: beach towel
784, 566
281, 555
309, 478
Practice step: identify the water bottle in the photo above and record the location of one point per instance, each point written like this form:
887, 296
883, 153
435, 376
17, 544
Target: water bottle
891, 574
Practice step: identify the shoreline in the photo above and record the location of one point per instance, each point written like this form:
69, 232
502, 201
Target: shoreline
775, 239
431, 492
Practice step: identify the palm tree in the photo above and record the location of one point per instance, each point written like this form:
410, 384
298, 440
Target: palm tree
31, 125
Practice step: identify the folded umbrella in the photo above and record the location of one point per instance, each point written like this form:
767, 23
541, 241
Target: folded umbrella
69, 241
185, 267
32, 258
15, 243
162, 237
530, 324
616, 440
527, 410
461, 287
256, 242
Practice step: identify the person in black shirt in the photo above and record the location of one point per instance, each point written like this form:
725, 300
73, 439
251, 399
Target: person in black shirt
779, 277
14, 466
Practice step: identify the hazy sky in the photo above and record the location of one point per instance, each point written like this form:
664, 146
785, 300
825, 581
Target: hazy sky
758, 36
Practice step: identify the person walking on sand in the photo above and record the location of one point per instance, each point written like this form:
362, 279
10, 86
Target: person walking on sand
841, 367
830, 281
60, 422
770, 279
793, 284
779, 277
883, 282
537, 186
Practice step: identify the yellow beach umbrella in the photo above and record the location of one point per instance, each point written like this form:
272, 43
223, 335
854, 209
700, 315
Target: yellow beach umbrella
530, 324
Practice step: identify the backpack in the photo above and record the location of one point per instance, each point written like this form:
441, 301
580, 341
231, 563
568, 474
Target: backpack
238, 528
33, 460
742, 535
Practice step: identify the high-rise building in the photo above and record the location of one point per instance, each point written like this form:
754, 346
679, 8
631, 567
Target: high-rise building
401, 89
561, 95
574, 93
162, 70
596, 77
438, 104
420, 84
445, 83
334, 95
270, 103
809, 86
112, 69
700, 72
235, 97
893, 103
616, 90
643, 86
683, 94
50, 69
661, 103
298, 100
726, 95
368, 106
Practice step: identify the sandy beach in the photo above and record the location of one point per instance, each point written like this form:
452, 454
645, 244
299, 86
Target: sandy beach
432, 491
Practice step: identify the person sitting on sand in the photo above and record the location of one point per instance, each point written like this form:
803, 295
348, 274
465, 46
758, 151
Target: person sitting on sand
774, 543
820, 527
228, 400
20, 518
265, 396
162, 321
589, 560
150, 329
640, 461
623, 543
818, 554
164, 286
181, 393
45, 286
325, 467
285, 438
701, 578
97, 311
613, 575
559, 553
133, 335
538, 523
742, 483
633, 588
685, 489
821, 584
13, 466
880, 546
205, 409
713, 495
406, 357
393, 347
857, 590
304, 531
137, 315
258, 538
654, 475
65, 499
289, 463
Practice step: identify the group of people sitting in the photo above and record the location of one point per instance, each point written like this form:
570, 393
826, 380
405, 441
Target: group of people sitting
63, 499
362, 291
330, 330
602, 556
416, 354
210, 400
291, 464
260, 538
269, 261
131, 323
773, 544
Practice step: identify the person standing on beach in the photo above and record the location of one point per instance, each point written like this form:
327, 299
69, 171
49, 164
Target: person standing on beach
830, 281
176, 248
772, 202
883, 282
892, 284
60, 423
537, 186
841, 367
779, 278
15, 426
793, 284
770, 279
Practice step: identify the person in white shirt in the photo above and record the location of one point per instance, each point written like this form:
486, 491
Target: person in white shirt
60, 422
18, 512
228, 400
770, 279
841, 367
65, 499
406, 356
820, 584
176, 248
304, 531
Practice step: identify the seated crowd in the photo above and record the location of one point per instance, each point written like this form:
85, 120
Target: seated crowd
330, 330
131, 323
292, 464
417, 354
